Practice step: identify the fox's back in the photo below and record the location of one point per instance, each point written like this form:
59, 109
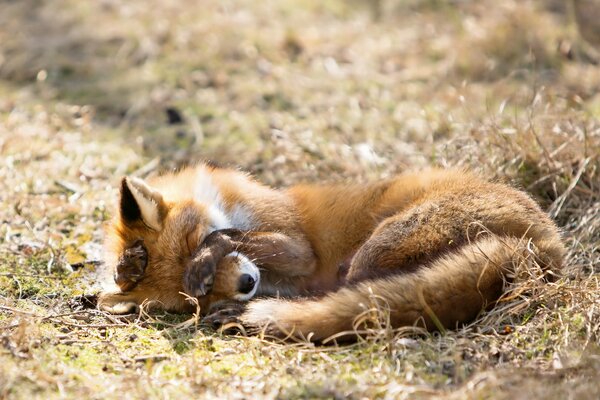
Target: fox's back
339, 218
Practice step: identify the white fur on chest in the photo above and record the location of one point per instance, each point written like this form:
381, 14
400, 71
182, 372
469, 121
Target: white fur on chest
207, 193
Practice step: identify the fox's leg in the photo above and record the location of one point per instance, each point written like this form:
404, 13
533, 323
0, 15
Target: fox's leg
200, 268
406, 241
272, 251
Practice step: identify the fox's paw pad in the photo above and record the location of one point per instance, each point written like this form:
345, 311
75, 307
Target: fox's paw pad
131, 266
226, 318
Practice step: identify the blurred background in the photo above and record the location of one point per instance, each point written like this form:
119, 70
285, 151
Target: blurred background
295, 89
291, 90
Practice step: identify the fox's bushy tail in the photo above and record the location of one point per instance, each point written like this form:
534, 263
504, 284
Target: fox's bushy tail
450, 291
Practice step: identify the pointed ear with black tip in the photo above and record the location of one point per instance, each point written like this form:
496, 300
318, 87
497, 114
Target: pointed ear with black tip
140, 202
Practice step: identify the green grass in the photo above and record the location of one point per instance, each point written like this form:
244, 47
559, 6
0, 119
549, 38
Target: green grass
290, 91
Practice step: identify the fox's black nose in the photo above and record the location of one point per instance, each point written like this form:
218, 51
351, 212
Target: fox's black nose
246, 284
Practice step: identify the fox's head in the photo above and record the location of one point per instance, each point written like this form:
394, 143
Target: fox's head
147, 245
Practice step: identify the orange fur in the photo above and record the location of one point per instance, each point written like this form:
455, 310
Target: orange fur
440, 242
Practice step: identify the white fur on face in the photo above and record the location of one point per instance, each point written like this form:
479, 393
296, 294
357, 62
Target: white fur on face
246, 267
142, 194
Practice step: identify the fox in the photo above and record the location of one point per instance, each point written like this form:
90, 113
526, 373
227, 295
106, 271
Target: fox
436, 247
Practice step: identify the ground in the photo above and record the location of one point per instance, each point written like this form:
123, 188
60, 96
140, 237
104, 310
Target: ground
290, 91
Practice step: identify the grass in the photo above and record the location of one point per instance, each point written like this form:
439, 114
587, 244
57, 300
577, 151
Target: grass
290, 91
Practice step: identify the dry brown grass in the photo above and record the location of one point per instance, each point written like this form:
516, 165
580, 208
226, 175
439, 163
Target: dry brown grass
289, 90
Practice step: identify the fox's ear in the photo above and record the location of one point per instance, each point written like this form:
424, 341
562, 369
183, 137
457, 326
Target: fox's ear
139, 202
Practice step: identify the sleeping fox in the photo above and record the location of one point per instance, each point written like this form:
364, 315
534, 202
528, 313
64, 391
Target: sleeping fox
436, 247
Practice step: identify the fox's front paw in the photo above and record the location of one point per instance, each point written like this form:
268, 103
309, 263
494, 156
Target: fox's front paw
225, 316
200, 270
131, 266
199, 274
